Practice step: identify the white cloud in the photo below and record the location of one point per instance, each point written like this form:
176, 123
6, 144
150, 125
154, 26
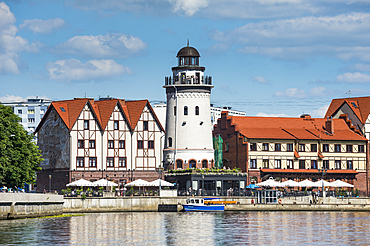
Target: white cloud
320, 112
108, 46
43, 26
260, 79
319, 92
291, 92
74, 70
11, 44
360, 67
353, 78
11, 98
190, 7
345, 36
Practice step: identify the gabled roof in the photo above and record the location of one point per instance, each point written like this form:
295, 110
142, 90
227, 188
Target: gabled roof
291, 128
70, 110
359, 105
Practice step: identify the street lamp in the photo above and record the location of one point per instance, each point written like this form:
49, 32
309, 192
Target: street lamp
159, 170
49, 183
107, 182
323, 172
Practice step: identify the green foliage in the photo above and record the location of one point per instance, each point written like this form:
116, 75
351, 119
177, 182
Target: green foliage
19, 155
83, 195
101, 188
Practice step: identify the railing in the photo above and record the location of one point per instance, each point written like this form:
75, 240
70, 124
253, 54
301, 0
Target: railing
178, 80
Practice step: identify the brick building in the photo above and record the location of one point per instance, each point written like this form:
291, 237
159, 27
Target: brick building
294, 148
114, 139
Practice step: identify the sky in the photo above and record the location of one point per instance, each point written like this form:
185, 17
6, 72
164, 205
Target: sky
266, 57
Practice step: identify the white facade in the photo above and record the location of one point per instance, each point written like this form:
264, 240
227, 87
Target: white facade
30, 111
188, 118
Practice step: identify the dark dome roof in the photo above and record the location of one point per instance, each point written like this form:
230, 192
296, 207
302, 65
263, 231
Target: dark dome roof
188, 51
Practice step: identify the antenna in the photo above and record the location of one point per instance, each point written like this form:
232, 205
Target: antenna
188, 42
348, 93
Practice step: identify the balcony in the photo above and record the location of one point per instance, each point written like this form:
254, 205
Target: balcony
178, 80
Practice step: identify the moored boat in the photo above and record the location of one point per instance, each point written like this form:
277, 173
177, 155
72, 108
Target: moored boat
200, 205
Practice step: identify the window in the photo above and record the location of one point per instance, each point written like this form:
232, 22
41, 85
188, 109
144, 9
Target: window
277, 147
289, 147
92, 162
204, 164
313, 164
253, 164
349, 148
62, 109
337, 164
122, 162
169, 142
42, 111
140, 144
337, 148
31, 111
265, 163
110, 162
196, 110
227, 147
361, 149
179, 163
116, 125
302, 164
91, 144
110, 144
349, 165
302, 147
80, 162
174, 110
185, 110
121, 144
151, 144
325, 148
265, 147
289, 164
325, 164
19, 111
145, 125
31, 120
192, 164
80, 144
253, 147
277, 163
86, 124
313, 147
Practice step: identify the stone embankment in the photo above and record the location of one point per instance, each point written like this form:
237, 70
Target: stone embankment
27, 205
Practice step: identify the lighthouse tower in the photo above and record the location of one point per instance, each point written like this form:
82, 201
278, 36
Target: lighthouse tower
188, 119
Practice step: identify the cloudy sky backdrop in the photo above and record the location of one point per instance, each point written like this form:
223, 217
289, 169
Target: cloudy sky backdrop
266, 57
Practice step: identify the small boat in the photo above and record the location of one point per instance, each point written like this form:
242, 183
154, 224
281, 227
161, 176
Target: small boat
201, 205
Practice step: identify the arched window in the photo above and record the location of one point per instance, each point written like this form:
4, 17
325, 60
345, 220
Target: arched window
204, 164
179, 164
169, 142
185, 110
196, 110
192, 164
174, 110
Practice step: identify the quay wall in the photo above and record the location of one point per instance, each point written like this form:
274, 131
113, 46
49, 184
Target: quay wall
150, 204
27, 205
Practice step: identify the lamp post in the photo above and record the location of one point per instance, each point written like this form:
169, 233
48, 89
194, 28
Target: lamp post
323, 172
107, 182
49, 183
159, 170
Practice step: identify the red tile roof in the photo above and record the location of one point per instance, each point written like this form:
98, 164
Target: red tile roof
291, 128
70, 110
359, 105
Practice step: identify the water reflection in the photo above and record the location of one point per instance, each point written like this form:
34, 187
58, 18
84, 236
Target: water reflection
245, 228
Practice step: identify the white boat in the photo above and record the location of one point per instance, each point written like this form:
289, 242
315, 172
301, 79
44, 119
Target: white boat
199, 205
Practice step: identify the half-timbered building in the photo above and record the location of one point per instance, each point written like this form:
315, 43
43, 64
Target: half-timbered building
114, 139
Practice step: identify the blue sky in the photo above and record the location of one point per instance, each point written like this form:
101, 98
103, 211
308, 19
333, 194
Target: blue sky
266, 57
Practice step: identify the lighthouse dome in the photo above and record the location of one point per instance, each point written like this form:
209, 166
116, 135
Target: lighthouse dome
188, 51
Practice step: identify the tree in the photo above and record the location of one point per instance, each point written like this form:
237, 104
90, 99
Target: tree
19, 155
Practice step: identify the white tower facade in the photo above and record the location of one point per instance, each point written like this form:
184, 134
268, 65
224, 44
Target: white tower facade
188, 119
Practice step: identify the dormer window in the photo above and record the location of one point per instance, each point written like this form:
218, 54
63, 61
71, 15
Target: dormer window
188, 61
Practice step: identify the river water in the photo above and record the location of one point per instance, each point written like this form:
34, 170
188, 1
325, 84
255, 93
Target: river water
229, 228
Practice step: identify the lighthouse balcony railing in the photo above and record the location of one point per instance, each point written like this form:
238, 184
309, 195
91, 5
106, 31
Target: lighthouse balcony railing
178, 80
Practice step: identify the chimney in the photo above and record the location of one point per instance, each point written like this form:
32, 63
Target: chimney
306, 116
329, 125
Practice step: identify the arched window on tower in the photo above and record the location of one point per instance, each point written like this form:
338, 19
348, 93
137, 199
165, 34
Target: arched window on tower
174, 110
196, 110
178, 164
185, 110
169, 142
